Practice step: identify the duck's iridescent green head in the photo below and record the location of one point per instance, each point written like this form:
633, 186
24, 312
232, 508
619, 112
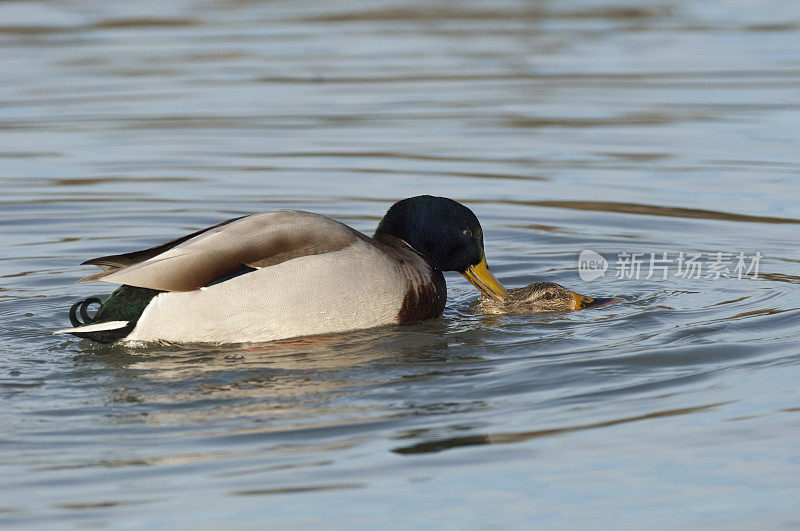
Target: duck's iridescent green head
447, 234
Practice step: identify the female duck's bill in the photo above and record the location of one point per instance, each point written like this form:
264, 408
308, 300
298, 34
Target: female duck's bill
582, 302
543, 297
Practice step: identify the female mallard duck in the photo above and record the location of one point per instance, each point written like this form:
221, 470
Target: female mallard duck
542, 297
288, 273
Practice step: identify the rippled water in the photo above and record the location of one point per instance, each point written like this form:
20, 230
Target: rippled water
657, 127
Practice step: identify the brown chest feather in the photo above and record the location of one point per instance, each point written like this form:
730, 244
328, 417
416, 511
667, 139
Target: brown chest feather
424, 301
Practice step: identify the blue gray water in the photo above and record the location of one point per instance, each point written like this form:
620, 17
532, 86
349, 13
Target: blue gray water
566, 126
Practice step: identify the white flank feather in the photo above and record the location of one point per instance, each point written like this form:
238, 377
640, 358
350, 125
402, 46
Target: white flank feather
97, 327
356, 287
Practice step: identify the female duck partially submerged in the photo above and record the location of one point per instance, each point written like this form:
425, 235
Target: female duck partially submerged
542, 297
289, 273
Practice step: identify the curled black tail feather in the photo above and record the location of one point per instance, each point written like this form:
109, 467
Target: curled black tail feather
82, 307
126, 304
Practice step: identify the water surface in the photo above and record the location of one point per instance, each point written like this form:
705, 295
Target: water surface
663, 127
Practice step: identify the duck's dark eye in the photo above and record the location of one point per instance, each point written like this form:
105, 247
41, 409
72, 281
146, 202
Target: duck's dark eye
467, 233
548, 295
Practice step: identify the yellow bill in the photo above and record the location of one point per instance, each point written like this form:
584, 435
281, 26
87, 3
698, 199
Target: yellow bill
583, 302
482, 278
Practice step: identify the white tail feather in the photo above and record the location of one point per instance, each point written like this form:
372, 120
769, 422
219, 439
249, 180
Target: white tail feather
97, 327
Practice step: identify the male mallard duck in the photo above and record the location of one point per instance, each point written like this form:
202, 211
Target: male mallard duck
289, 273
542, 297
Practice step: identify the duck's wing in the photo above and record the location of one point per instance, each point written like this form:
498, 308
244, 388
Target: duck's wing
206, 256
115, 262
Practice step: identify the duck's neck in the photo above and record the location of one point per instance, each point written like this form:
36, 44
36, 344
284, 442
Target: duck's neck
426, 290
400, 231
393, 241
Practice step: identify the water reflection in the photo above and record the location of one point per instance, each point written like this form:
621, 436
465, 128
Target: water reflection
655, 210
273, 382
438, 445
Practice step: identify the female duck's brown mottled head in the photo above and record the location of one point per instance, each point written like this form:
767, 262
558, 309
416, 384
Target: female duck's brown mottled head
542, 297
